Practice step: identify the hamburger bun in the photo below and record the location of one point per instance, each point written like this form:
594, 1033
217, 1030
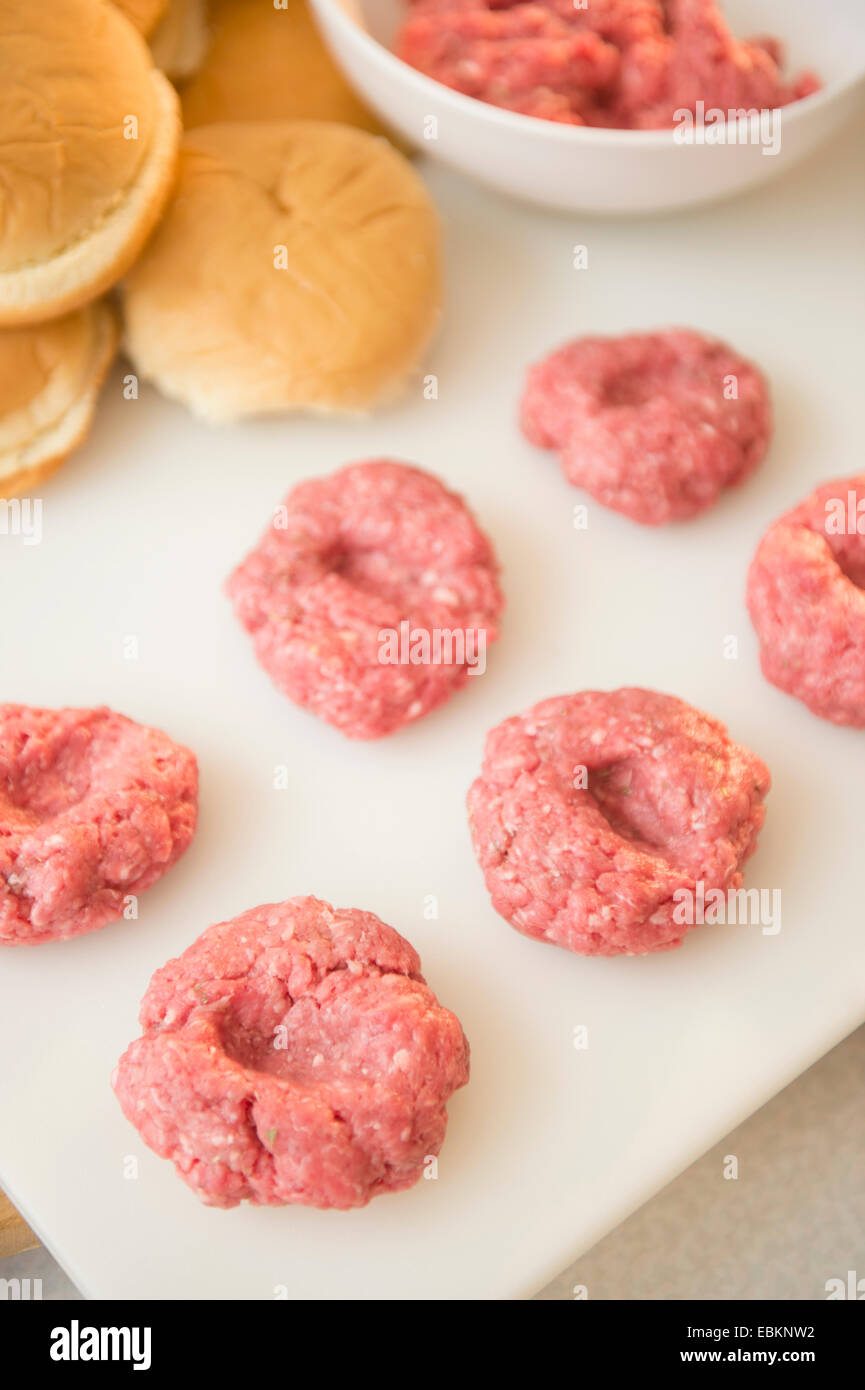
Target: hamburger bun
179, 41
297, 266
50, 375
265, 64
88, 151
144, 14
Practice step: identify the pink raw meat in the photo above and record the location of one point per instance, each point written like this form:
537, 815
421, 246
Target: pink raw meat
294, 1055
93, 808
806, 597
593, 810
654, 425
623, 64
353, 555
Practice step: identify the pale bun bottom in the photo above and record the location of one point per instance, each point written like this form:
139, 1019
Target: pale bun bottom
27, 466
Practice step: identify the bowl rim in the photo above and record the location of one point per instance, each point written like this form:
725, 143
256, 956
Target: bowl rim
339, 13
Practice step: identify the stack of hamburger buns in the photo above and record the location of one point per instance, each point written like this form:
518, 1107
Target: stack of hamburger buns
277, 253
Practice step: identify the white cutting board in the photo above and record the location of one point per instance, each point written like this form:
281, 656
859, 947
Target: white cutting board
548, 1147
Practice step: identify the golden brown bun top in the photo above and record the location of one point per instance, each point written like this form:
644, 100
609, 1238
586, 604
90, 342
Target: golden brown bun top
144, 14
359, 291
269, 65
71, 77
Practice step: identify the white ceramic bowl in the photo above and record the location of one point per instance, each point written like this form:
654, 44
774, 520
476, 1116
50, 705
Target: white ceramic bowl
605, 171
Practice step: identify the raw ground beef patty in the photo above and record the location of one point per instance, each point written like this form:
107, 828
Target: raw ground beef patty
294, 1055
627, 64
592, 810
806, 597
654, 425
93, 808
376, 548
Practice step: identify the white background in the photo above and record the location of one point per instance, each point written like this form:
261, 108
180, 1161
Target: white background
548, 1147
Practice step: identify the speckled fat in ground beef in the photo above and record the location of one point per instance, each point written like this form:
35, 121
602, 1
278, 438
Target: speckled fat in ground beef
94, 808
593, 811
806, 597
294, 1055
653, 425
352, 556
622, 64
